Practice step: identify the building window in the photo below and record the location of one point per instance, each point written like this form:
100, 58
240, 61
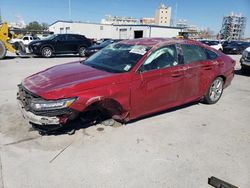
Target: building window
61, 29
67, 29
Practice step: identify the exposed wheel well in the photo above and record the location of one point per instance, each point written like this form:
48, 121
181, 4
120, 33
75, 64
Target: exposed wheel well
107, 107
223, 77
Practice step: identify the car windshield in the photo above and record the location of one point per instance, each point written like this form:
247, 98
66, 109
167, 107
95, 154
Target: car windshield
50, 37
117, 57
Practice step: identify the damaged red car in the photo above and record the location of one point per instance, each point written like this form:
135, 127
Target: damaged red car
127, 80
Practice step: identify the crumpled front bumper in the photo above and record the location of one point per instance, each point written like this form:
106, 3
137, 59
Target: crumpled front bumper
39, 120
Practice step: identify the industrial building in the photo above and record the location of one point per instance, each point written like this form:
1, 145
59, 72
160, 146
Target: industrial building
124, 31
233, 27
119, 20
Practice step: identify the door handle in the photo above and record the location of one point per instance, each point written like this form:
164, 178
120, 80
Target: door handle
207, 67
176, 74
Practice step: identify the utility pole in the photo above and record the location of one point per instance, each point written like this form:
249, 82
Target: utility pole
176, 9
0, 16
69, 9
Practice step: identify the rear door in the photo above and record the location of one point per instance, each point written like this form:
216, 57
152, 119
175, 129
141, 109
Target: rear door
74, 43
199, 70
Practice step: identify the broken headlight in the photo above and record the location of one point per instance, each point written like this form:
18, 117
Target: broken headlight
40, 104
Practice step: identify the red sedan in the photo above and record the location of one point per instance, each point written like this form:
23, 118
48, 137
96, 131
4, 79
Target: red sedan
127, 80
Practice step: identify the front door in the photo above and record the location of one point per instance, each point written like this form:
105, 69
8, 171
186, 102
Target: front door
60, 44
157, 83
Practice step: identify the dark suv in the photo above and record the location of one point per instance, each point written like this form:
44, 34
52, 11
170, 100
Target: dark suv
60, 44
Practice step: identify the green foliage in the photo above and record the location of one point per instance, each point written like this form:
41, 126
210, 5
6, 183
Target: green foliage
35, 26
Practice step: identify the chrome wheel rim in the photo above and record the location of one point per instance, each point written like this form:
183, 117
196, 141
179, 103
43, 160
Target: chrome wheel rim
216, 90
82, 51
47, 52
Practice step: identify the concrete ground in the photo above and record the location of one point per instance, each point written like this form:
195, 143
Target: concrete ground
175, 149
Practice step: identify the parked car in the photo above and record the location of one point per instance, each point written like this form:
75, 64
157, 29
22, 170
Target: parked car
26, 40
95, 48
245, 60
236, 47
60, 44
214, 44
127, 80
102, 40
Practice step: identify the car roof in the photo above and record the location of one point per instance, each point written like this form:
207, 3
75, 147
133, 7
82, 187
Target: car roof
151, 42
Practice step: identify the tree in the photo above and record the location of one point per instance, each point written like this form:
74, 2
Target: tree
35, 26
45, 26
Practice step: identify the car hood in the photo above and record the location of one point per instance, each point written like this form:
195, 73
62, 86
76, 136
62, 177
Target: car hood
247, 49
95, 47
38, 41
63, 81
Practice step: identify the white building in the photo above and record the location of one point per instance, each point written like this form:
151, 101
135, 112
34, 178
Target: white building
163, 15
119, 20
97, 31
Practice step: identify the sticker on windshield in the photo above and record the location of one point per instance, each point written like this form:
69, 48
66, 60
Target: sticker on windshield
138, 50
127, 67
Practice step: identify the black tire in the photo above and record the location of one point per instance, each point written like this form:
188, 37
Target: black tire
214, 91
244, 70
47, 52
81, 51
3, 50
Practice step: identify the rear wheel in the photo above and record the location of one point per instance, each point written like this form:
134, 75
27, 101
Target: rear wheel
47, 52
215, 91
3, 50
81, 51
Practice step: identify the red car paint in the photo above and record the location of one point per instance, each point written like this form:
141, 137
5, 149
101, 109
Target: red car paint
131, 94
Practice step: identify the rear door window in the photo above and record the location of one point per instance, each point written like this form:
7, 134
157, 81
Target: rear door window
73, 38
193, 53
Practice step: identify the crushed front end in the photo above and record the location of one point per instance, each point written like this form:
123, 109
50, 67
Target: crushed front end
43, 112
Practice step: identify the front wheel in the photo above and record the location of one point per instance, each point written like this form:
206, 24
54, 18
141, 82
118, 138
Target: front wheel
215, 91
47, 52
81, 51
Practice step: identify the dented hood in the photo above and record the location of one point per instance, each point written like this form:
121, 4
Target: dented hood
65, 77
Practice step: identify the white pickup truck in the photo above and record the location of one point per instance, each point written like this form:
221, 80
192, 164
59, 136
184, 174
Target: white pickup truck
25, 40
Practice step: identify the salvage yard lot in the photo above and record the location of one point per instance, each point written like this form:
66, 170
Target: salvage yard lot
180, 148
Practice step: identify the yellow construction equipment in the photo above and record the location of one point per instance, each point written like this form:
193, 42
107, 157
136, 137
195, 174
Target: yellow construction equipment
4, 45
